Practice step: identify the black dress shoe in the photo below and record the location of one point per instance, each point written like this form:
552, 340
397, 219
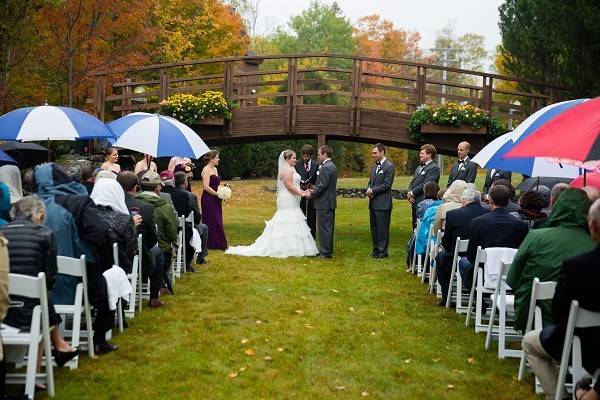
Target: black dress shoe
374, 255
200, 260
105, 348
190, 269
63, 357
321, 255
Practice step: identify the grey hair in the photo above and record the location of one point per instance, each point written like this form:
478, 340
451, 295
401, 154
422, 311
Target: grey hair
469, 195
556, 191
27, 207
594, 213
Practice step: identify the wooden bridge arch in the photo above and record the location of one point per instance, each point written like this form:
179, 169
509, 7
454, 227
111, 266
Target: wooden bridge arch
330, 96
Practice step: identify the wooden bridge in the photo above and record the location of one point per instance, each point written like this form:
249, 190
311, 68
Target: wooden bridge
328, 96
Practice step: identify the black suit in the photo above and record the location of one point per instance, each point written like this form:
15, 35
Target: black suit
308, 178
458, 225
579, 280
495, 229
498, 174
465, 171
380, 206
423, 174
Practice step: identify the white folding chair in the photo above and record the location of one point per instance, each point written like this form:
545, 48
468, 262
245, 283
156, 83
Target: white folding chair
433, 263
140, 275
504, 303
461, 246
177, 262
34, 288
539, 291
119, 302
477, 292
416, 258
578, 318
76, 267
133, 279
424, 273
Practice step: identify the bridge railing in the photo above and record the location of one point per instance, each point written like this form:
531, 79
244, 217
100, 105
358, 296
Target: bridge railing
290, 81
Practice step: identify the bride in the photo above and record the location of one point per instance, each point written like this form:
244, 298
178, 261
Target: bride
286, 234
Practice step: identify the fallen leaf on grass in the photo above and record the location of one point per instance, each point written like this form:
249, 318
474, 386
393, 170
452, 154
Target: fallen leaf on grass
450, 386
244, 341
280, 349
242, 369
407, 361
299, 312
268, 358
340, 388
471, 360
267, 340
309, 326
232, 375
270, 290
303, 297
258, 322
249, 352
364, 394
435, 360
351, 308
373, 333
335, 291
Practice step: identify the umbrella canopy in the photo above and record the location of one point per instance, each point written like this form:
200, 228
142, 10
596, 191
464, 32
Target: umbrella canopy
590, 180
571, 137
25, 154
6, 158
51, 123
532, 183
493, 155
157, 135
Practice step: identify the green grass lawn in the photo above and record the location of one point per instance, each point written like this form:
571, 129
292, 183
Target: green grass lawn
257, 328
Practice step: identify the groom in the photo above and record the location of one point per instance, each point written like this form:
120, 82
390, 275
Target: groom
324, 195
379, 192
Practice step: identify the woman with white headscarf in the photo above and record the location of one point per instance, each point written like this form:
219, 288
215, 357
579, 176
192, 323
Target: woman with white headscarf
110, 199
11, 176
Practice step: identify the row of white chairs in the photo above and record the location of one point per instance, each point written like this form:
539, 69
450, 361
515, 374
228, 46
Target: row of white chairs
502, 306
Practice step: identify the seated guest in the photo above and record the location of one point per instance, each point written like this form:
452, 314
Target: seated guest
32, 249
11, 176
458, 224
110, 200
4, 203
544, 192
511, 206
593, 194
578, 279
164, 216
555, 193
152, 257
452, 201
543, 251
88, 177
426, 221
4, 303
187, 169
495, 229
185, 202
531, 204
430, 191
74, 218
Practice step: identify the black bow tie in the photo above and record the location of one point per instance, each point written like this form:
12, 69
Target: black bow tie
423, 164
378, 162
461, 161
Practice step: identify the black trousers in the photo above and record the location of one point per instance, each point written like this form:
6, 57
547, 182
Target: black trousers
310, 213
105, 319
156, 271
380, 230
443, 264
414, 214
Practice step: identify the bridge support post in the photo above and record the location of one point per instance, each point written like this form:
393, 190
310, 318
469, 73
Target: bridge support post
321, 140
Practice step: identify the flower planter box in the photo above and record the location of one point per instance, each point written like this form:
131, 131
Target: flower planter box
463, 129
211, 121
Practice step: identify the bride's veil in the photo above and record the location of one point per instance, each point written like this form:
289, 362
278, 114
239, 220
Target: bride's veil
283, 167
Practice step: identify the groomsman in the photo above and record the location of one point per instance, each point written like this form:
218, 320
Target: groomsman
427, 171
464, 169
493, 175
307, 168
379, 192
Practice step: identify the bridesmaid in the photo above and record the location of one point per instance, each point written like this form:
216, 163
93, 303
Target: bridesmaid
212, 213
111, 156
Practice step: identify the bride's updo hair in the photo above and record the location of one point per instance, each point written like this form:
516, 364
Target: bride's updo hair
287, 154
211, 155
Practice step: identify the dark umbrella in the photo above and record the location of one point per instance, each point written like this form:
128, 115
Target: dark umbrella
533, 183
25, 154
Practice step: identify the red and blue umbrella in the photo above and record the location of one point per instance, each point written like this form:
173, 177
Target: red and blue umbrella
570, 137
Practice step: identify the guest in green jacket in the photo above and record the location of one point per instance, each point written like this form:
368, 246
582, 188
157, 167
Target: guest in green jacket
543, 251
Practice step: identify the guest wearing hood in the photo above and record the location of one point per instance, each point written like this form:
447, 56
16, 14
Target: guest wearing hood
543, 251
452, 200
74, 218
4, 203
426, 221
109, 197
11, 176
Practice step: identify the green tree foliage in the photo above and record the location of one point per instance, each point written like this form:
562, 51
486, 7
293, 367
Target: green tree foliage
555, 41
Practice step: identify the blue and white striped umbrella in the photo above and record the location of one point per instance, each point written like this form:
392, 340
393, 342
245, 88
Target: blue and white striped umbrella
51, 123
492, 155
157, 135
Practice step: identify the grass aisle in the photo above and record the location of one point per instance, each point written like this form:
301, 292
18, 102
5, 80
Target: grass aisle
253, 328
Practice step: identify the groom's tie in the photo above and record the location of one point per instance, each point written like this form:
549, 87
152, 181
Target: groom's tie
378, 167
306, 167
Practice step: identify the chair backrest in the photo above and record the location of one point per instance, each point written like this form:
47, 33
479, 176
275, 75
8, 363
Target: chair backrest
480, 257
71, 266
27, 286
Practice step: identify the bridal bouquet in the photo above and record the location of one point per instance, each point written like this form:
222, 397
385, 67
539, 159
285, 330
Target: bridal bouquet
224, 193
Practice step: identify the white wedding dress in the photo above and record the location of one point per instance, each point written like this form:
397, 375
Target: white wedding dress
286, 234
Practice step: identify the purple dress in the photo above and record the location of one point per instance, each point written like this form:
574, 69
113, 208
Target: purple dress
212, 216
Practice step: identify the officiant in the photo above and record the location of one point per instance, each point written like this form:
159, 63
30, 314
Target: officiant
307, 168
